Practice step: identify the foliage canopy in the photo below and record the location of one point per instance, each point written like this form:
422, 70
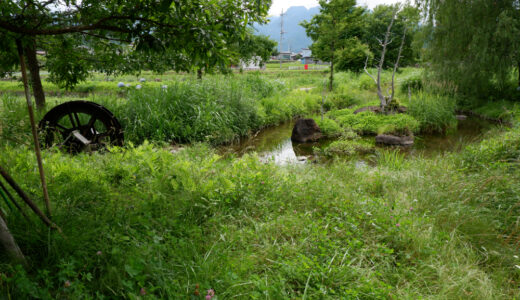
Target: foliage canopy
126, 36
474, 47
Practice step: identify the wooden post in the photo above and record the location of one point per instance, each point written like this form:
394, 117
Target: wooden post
33, 128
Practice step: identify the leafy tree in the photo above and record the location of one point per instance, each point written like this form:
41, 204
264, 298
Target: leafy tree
333, 28
474, 46
115, 36
353, 56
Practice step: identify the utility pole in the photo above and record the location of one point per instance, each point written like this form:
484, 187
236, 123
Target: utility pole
281, 37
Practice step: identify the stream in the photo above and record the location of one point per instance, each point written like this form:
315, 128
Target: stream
274, 143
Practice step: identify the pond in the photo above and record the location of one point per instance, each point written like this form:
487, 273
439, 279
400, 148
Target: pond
274, 143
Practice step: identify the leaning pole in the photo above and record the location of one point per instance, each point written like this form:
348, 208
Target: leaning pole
33, 128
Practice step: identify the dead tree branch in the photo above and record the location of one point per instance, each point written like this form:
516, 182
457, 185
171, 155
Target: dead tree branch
396, 65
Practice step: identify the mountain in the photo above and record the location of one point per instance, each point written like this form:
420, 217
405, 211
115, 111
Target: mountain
295, 37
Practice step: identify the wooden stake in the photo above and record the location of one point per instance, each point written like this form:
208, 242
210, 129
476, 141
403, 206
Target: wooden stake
33, 128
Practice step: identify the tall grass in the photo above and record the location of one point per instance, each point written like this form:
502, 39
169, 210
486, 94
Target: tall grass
435, 113
216, 109
164, 224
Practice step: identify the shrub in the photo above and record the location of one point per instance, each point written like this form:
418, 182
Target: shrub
413, 82
434, 113
348, 147
352, 57
339, 101
366, 83
328, 127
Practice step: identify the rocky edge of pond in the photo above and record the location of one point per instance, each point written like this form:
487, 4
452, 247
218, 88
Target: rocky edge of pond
306, 130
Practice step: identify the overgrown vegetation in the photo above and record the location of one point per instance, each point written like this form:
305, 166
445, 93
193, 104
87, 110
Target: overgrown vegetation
142, 221
163, 224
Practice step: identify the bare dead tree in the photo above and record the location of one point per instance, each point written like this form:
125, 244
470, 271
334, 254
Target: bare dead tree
396, 65
385, 100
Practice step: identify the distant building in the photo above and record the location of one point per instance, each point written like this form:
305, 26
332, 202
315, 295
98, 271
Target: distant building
307, 56
284, 55
306, 52
253, 64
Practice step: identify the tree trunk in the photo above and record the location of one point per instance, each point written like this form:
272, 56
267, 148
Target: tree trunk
332, 67
199, 74
331, 74
10, 246
34, 69
519, 73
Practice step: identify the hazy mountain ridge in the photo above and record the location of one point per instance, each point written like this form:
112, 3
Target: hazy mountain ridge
295, 37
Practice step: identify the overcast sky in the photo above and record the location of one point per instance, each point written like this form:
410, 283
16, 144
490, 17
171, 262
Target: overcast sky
277, 6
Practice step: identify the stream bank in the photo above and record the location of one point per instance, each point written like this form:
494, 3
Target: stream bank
274, 143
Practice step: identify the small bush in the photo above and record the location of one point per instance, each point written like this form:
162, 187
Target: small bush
366, 83
339, 101
352, 57
348, 147
328, 127
414, 83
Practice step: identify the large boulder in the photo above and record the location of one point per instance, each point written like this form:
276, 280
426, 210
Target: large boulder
306, 130
388, 139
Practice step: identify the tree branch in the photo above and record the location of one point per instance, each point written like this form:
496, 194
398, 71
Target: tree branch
396, 65
100, 24
366, 70
104, 37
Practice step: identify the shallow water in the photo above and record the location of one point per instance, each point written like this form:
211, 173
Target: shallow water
274, 143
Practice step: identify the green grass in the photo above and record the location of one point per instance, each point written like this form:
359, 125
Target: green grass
163, 222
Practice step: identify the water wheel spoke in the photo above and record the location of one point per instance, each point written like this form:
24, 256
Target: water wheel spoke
61, 128
89, 128
76, 117
71, 120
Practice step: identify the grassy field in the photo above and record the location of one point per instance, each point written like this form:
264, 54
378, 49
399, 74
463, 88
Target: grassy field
141, 222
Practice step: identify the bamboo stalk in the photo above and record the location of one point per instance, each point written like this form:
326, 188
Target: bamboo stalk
33, 128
